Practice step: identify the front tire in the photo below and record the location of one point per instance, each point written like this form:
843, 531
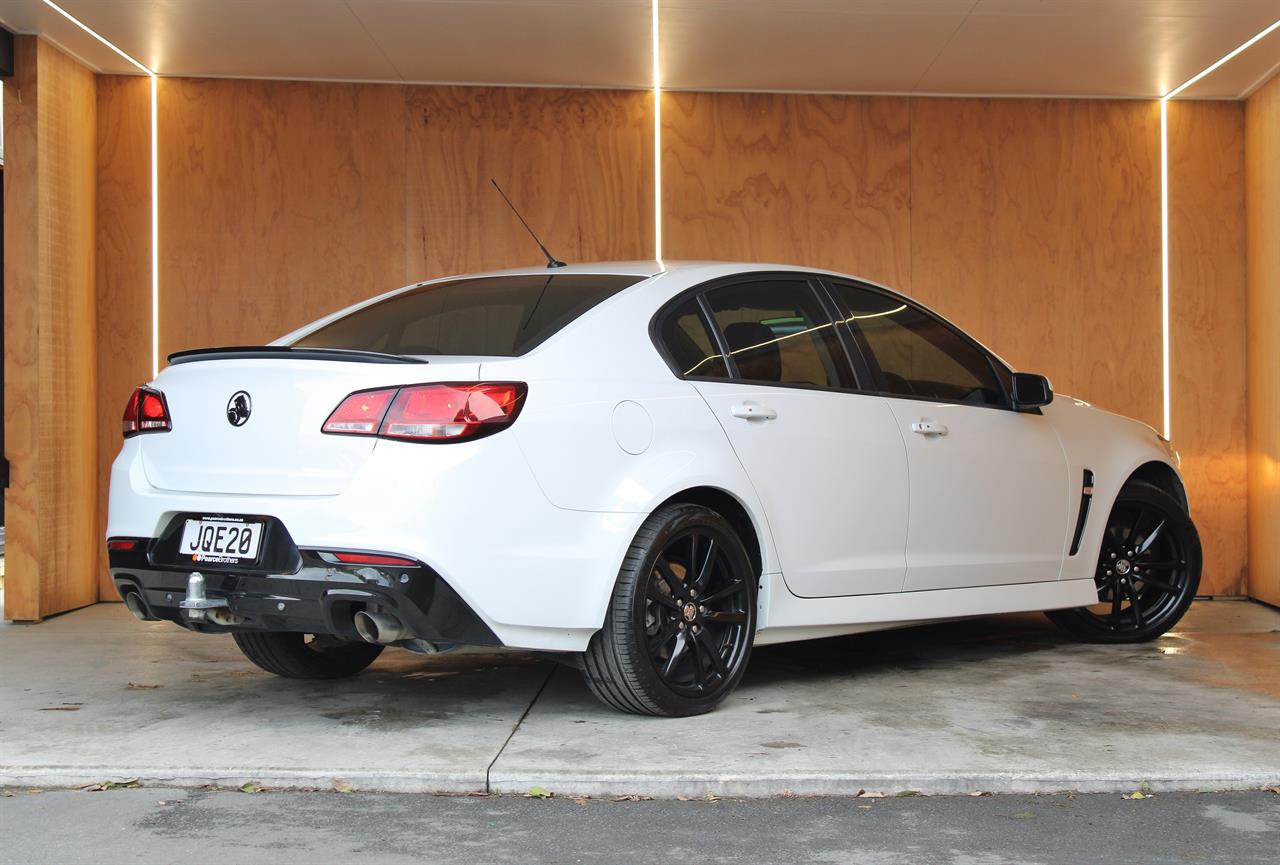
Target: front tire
1148, 570
680, 625
294, 656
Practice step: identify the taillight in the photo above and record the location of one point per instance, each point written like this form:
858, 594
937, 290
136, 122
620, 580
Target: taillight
442, 412
374, 559
145, 412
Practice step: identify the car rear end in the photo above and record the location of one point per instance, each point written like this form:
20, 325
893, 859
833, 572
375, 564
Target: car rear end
360, 470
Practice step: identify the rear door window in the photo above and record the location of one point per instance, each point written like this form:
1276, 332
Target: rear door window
689, 344
777, 332
499, 316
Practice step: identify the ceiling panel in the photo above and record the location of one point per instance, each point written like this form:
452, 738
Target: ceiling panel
1137, 48
884, 47
595, 43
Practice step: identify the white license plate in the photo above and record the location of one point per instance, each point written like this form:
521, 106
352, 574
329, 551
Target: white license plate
220, 540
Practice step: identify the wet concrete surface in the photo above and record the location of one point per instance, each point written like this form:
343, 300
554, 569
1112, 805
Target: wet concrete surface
1003, 703
196, 826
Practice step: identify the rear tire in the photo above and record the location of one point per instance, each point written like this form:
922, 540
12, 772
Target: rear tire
1148, 570
295, 657
678, 632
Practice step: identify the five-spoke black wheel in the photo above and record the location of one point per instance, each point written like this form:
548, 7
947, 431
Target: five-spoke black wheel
1148, 570
681, 620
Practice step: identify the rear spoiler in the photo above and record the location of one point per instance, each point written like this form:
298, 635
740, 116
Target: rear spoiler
286, 352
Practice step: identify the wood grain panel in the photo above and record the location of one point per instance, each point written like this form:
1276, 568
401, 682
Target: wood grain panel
1035, 226
52, 544
21, 335
1262, 170
123, 269
1207, 326
279, 202
578, 164
803, 179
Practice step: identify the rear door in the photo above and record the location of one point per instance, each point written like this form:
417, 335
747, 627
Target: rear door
989, 485
827, 463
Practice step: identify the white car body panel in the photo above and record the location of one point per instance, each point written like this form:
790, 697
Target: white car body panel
529, 526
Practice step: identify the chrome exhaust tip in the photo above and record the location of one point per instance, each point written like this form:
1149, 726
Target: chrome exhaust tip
133, 601
379, 628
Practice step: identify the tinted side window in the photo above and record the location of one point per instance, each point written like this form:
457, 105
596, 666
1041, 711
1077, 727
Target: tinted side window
688, 342
918, 355
500, 316
777, 332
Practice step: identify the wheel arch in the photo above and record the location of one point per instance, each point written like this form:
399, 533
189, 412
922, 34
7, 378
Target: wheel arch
1164, 477
733, 510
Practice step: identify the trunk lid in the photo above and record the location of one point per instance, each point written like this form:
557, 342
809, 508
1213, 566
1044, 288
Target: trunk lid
278, 449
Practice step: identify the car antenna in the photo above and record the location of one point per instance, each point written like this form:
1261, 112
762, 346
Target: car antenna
552, 261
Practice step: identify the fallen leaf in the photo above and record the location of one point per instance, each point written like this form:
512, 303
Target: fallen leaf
712, 797
130, 784
632, 797
1271, 788
581, 800
340, 786
870, 794
906, 794
1024, 815
680, 797
1136, 794
980, 793
137, 686
250, 787
538, 793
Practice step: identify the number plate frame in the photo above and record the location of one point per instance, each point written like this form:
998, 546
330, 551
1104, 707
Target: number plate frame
221, 540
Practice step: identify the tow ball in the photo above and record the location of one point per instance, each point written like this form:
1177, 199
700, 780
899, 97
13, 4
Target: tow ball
200, 606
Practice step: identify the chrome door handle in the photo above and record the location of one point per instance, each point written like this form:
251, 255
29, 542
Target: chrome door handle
751, 411
929, 428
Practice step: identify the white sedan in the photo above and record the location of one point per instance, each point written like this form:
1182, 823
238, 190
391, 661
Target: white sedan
644, 469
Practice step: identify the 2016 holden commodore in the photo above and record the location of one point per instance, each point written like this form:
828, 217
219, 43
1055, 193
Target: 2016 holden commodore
645, 469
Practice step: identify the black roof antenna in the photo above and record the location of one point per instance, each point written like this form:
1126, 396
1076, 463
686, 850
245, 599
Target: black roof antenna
552, 261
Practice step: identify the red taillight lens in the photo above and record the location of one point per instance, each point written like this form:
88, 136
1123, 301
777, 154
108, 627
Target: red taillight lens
442, 412
121, 545
374, 559
452, 412
361, 413
145, 412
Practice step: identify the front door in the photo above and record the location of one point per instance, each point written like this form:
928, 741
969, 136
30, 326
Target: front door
990, 492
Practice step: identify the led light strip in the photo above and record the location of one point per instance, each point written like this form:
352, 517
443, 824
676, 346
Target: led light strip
155, 184
1164, 213
657, 142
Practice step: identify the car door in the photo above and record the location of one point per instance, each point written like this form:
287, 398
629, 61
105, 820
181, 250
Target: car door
828, 464
989, 485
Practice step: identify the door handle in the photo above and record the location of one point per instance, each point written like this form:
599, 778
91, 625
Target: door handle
751, 411
929, 428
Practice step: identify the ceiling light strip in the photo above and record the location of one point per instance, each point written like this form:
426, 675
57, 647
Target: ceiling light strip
1164, 212
155, 182
657, 141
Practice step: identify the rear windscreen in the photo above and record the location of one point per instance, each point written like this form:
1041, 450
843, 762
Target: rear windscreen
498, 316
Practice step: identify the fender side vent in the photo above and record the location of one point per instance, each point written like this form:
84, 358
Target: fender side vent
1082, 517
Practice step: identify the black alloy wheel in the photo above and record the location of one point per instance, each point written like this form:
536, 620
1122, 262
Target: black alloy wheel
682, 619
1148, 570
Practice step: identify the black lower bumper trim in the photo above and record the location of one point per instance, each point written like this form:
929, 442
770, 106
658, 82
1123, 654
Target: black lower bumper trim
320, 598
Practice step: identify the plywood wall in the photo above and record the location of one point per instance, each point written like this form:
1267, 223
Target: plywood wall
1207, 327
1262, 147
1033, 223
50, 357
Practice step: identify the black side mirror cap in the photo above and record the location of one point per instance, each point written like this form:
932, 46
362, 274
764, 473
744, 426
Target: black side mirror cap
1030, 391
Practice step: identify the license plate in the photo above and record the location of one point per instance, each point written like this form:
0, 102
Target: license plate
220, 540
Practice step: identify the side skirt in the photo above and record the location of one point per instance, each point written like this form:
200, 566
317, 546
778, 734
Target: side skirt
790, 618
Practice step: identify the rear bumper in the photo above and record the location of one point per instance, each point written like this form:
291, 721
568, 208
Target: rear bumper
319, 598
538, 576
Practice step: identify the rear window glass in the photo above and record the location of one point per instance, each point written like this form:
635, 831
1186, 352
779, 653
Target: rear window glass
500, 316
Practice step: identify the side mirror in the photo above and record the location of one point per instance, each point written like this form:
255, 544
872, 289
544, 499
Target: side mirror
1030, 391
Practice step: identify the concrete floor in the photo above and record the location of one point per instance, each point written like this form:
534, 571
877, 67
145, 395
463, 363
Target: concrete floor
197, 826
1001, 704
